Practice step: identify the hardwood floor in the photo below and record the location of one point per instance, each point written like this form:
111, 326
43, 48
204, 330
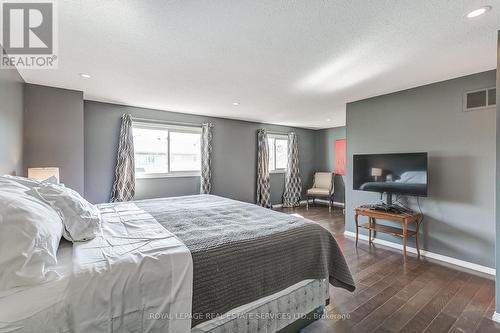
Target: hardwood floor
397, 296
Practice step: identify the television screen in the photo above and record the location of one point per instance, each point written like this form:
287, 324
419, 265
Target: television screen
391, 173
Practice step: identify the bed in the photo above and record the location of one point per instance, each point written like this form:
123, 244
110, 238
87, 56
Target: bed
196, 263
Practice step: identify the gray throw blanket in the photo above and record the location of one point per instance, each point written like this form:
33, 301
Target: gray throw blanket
242, 252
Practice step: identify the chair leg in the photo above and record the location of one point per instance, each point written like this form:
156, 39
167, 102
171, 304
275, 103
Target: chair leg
307, 203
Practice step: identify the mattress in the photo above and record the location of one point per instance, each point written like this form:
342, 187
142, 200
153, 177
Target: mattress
271, 313
43, 306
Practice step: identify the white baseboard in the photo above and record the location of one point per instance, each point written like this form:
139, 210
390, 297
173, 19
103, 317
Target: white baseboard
496, 317
424, 253
335, 203
304, 202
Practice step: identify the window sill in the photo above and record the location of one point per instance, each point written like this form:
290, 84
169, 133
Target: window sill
168, 175
277, 171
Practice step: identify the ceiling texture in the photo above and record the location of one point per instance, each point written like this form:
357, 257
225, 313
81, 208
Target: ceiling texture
285, 62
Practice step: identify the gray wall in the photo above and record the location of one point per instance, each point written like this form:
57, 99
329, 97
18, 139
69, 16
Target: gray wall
53, 132
234, 155
460, 209
325, 157
11, 121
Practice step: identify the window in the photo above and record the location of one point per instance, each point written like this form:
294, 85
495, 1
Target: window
278, 152
166, 150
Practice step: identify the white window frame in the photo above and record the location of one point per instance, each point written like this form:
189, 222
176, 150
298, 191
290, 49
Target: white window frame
169, 128
487, 106
280, 137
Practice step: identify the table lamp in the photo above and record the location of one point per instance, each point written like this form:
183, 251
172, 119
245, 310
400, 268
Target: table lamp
376, 172
43, 173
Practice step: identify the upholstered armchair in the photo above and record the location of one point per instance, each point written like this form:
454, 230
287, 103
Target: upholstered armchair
322, 188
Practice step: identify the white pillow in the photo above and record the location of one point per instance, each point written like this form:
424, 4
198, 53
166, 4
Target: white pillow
30, 231
81, 219
29, 182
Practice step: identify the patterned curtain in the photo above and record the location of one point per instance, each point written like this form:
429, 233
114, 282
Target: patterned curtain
293, 183
263, 179
206, 158
124, 184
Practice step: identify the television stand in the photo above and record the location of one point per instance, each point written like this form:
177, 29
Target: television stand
404, 219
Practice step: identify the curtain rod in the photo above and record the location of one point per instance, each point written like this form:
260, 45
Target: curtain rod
166, 122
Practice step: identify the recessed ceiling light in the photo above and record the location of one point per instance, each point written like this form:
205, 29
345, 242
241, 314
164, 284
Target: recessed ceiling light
328, 119
478, 12
86, 76
236, 103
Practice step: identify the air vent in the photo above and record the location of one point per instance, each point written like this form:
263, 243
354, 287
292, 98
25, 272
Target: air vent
480, 99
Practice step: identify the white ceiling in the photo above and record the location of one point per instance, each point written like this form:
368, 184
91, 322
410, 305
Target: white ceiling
286, 62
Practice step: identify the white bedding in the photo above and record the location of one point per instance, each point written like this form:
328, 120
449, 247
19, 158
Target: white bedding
119, 281
31, 308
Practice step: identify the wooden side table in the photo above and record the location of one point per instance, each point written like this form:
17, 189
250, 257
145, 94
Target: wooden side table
404, 219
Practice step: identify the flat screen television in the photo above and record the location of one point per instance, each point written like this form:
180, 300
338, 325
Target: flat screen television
404, 174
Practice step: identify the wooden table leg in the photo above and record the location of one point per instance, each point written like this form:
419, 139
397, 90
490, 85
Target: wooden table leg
357, 228
416, 238
405, 237
370, 230
374, 231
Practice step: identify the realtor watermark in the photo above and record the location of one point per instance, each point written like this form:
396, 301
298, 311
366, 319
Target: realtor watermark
249, 316
28, 34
